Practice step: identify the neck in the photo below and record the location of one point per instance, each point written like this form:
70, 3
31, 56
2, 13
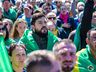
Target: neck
93, 53
28, 15
6, 10
20, 35
17, 68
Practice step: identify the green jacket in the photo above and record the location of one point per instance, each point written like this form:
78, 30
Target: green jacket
11, 14
77, 41
5, 65
85, 60
8, 42
31, 44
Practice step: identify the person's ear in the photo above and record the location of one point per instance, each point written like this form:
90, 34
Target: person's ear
87, 41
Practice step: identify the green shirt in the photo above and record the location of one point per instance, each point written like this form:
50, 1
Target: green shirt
8, 42
31, 44
11, 14
85, 60
77, 40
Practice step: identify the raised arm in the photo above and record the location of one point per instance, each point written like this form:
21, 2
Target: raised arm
86, 21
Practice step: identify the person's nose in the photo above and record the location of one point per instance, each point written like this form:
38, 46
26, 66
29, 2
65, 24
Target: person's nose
22, 58
68, 57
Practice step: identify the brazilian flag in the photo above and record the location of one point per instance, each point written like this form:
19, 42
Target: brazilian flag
5, 65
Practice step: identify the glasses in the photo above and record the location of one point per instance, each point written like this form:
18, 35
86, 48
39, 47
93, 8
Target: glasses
52, 18
94, 16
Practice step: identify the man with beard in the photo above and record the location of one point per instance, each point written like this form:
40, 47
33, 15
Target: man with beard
65, 52
39, 37
86, 58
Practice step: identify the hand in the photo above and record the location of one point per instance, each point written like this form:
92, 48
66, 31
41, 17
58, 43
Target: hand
66, 25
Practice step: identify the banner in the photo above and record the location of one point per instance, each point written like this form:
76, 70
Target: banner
5, 65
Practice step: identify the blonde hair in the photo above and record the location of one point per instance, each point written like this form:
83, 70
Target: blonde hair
15, 33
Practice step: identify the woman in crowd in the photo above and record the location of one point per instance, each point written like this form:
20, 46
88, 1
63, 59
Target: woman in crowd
17, 55
5, 33
9, 24
18, 29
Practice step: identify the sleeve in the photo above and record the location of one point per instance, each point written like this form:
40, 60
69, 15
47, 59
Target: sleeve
86, 21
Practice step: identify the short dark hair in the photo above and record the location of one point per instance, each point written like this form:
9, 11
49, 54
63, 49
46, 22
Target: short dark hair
88, 33
65, 41
13, 46
39, 58
36, 16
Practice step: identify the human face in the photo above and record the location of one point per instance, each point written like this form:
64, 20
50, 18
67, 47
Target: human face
27, 11
6, 5
47, 9
94, 19
64, 10
92, 41
52, 18
2, 29
51, 26
58, 3
41, 25
18, 57
68, 5
66, 56
21, 28
80, 7
7, 25
33, 2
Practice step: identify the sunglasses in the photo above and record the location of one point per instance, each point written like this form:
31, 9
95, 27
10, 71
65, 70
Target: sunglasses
3, 28
52, 18
94, 16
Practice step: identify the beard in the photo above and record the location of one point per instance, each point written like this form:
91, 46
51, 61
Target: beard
67, 66
43, 32
67, 69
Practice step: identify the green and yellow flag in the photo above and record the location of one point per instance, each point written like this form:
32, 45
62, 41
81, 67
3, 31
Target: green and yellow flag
5, 65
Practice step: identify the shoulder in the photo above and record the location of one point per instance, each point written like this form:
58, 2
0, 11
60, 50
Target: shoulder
81, 52
52, 36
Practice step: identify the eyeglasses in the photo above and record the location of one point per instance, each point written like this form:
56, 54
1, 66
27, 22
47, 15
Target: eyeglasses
94, 16
52, 18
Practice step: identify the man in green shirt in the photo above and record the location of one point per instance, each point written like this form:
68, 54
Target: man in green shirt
40, 37
86, 58
65, 51
8, 12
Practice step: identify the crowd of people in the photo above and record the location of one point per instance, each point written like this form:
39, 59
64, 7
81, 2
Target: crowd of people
48, 35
